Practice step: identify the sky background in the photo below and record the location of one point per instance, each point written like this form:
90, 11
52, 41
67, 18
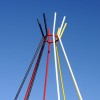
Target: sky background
19, 38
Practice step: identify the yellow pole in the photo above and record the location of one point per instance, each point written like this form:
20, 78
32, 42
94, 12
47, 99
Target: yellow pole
68, 63
62, 31
60, 72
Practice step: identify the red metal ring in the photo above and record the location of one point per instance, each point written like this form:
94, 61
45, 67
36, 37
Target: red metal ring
51, 41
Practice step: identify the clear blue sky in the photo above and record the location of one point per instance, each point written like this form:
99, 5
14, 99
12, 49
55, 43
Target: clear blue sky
20, 35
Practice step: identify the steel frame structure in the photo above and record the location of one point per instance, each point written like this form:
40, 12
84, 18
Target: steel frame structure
46, 38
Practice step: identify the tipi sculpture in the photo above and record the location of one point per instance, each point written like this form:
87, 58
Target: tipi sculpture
46, 38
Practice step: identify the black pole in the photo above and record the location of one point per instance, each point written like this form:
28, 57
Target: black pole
28, 70
45, 23
34, 73
40, 28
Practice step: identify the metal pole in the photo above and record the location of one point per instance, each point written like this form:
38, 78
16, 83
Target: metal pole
56, 70
70, 69
47, 65
34, 73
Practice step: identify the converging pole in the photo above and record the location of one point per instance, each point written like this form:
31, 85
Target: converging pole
60, 72
65, 55
34, 73
56, 70
47, 65
28, 70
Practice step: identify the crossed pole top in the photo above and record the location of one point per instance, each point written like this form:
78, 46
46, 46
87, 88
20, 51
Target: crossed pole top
47, 30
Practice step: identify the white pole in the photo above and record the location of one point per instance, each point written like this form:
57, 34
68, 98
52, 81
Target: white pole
56, 70
71, 72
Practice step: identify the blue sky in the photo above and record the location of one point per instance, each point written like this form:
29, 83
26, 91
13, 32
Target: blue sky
20, 35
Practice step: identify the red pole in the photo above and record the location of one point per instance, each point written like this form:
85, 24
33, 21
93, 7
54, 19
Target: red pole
47, 65
34, 73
